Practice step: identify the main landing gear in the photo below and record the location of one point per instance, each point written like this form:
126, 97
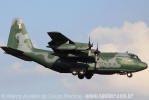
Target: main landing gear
87, 76
82, 74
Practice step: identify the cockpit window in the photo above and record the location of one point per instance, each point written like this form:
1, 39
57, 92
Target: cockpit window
135, 57
123, 55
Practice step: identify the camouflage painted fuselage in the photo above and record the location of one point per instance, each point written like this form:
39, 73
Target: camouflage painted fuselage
108, 63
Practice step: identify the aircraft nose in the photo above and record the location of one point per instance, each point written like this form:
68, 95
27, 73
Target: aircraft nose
144, 65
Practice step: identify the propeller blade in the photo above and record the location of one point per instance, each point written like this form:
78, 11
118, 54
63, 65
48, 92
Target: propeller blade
97, 52
89, 39
89, 47
89, 44
97, 46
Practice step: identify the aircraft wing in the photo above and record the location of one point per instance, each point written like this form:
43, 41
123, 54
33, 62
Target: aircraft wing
67, 49
58, 38
63, 45
60, 42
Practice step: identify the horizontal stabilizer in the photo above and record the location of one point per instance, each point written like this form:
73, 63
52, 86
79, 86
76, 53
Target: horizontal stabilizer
16, 53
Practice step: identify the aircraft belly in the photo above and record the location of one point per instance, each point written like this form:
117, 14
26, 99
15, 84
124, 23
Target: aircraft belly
67, 66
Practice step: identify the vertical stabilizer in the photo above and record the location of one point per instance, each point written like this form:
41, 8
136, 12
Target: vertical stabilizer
18, 37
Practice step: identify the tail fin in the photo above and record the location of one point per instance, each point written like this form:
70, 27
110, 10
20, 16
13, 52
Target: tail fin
18, 37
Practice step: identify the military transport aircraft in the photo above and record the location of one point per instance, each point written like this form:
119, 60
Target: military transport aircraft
71, 57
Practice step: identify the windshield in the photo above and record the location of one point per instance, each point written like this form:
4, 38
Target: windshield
135, 57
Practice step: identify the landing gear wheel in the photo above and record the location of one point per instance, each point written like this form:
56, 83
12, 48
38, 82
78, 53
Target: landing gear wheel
74, 73
80, 76
82, 72
89, 75
129, 75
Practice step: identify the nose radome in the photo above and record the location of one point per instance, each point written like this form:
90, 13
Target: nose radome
144, 65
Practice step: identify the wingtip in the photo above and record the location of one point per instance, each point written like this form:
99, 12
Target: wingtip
53, 32
3, 47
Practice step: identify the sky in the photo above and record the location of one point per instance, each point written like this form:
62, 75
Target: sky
117, 25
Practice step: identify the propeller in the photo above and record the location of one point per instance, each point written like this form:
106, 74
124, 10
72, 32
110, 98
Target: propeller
89, 44
97, 52
89, 47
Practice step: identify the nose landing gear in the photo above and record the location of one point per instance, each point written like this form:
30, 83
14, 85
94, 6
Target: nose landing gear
129, 75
